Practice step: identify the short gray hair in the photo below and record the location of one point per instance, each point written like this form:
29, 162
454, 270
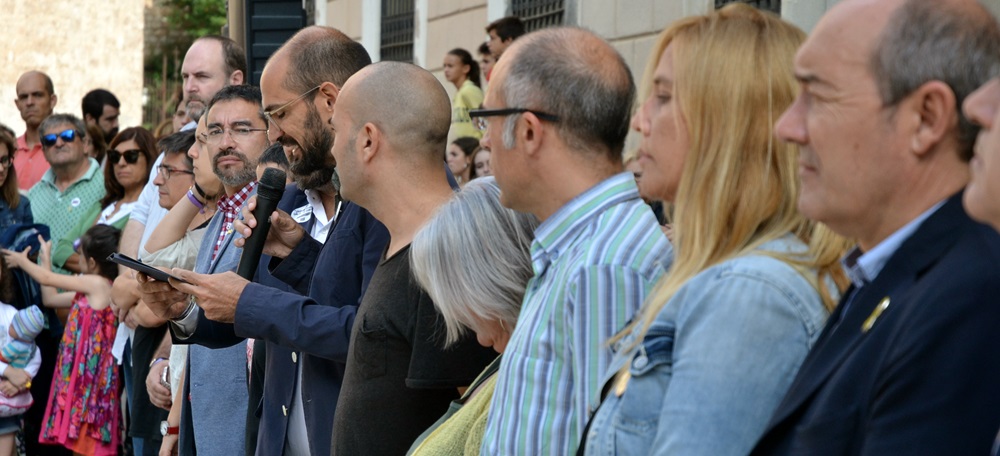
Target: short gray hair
928, 40
560, 71
473, 258
62, 118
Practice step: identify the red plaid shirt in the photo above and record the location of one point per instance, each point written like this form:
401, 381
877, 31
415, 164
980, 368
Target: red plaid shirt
230, 206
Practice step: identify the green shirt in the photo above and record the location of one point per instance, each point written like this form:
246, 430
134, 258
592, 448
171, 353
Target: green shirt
62, 211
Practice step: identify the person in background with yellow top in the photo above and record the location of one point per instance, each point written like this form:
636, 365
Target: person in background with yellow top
473, 259
462, 70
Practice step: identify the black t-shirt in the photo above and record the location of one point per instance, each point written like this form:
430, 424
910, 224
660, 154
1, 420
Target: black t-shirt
399, 379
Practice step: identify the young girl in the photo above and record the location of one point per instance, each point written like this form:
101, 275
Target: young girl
83, 410
17, 379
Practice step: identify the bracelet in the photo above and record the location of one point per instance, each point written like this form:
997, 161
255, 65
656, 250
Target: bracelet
194, 200
153, 362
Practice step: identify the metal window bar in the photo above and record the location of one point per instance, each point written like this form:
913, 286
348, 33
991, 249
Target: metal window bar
773, 6
397, 30
538, 14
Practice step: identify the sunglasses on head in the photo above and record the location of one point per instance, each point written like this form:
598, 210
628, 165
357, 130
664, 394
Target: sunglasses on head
131, 156
68, 136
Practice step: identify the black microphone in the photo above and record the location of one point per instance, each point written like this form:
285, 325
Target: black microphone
269, 191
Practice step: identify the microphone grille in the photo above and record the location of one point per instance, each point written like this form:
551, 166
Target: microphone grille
273, 181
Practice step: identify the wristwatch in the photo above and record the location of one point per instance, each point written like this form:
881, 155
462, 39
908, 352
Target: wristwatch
166, 429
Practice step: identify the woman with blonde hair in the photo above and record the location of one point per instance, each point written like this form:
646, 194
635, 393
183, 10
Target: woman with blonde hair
703, 366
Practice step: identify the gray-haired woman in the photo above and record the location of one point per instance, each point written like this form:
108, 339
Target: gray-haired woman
473, 259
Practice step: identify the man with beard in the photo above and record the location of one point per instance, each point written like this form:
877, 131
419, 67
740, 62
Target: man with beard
100, 108
211, 63
215, 387
300, 85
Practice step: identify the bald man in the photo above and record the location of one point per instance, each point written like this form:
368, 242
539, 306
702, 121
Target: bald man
559, 105
907, 363
36, 99
328, 260
391, 124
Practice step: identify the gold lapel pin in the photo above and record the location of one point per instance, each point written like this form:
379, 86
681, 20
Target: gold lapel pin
867, 326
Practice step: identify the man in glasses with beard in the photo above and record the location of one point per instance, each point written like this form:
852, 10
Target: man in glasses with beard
307, 332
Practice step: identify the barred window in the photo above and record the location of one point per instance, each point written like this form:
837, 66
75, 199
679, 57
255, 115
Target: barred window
538, 14
773, 6
397, 30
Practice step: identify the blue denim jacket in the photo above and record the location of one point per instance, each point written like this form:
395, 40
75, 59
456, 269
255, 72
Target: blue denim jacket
715, 363
10, 217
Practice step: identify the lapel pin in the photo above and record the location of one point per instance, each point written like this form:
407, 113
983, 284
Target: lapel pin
867, 326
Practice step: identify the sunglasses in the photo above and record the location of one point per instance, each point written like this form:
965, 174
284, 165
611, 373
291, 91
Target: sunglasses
131, 156
68, 136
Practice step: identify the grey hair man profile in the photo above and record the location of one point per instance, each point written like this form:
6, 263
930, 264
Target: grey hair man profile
558, 105
899, 367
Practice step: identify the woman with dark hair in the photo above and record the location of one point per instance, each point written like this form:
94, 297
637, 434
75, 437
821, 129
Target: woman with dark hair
129, 159
459, 158
14, 207
462, 70
94, 145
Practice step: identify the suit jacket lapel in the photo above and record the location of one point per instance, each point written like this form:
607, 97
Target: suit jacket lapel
914, 256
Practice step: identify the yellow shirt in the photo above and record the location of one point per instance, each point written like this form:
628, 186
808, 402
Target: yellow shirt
468, 97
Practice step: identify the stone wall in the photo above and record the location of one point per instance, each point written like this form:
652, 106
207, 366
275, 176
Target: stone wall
81, 45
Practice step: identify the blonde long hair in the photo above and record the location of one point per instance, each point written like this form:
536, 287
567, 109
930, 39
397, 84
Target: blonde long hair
738, 188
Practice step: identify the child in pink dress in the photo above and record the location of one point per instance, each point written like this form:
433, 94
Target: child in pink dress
83, 411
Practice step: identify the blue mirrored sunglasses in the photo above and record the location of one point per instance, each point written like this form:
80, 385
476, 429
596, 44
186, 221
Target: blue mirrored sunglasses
68, 136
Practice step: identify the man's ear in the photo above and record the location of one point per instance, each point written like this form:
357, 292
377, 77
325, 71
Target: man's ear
369, 141
328, 92
236, 78
55, 101
530, 133
933, 107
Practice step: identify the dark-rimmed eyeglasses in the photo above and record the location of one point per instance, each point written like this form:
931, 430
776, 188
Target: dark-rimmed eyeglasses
67, 136
5, 161
131, 156
269, 115
479, 115
239, 134
167, 171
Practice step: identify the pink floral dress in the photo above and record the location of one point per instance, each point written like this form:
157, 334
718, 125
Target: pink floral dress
83, 411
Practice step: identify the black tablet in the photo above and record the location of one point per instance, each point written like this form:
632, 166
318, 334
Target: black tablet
144, 268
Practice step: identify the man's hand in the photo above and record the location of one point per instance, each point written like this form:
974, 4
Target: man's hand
18, 377
216, 294
159, 395
161, 297
285, 233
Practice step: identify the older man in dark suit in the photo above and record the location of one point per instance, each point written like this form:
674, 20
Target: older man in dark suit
907, 362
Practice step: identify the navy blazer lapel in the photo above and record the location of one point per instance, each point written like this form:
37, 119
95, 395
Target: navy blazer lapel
927, 244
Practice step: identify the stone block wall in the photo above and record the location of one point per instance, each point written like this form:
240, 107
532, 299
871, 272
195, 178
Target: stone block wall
81, 45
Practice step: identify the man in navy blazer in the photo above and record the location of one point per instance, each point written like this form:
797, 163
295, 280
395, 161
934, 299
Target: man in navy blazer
310, 327
907, 361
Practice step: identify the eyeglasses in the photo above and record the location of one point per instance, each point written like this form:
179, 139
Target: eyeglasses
68, 136
269, 115
167, 171
131, 156
479, 115
239, 134
5, 161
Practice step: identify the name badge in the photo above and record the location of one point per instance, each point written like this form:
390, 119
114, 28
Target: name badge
302, 214
75, 202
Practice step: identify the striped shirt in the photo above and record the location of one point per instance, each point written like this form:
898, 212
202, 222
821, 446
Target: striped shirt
595, 260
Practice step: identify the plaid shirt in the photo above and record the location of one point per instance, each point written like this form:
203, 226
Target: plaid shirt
230, 206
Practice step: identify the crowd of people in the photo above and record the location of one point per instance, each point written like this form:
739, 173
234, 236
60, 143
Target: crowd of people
798, 258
